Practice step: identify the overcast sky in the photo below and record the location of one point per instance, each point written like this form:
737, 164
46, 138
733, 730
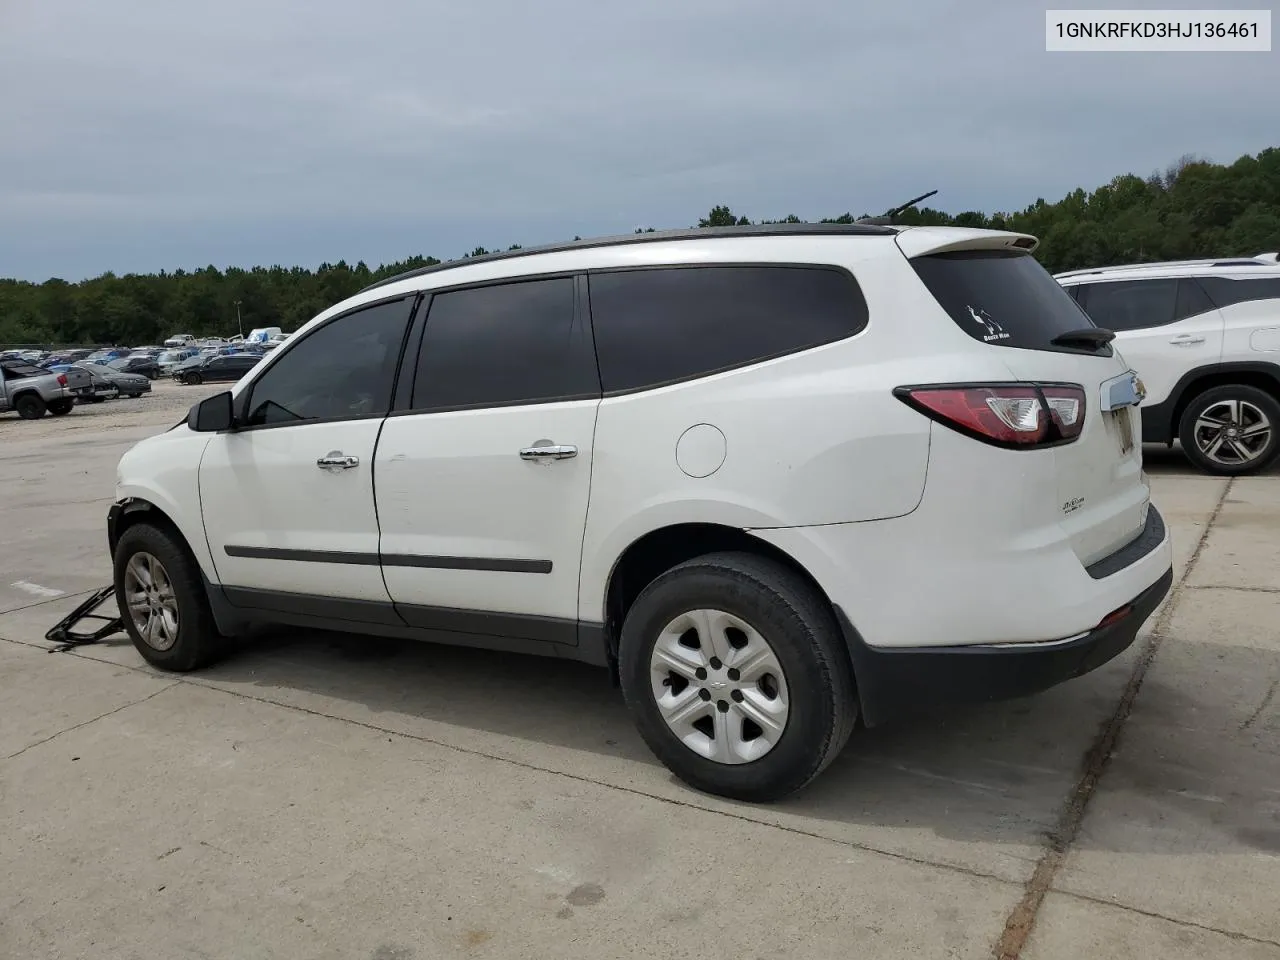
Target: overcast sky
145, 134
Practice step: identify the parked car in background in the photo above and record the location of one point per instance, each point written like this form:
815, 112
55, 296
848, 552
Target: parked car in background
143, 364
170, 359
1204, 336
107, 354
180, 340
65, 356
261, 334
126, 384
217, 369
32, 391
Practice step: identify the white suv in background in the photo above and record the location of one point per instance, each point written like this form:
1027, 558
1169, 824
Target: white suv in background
1204, 336
777, 479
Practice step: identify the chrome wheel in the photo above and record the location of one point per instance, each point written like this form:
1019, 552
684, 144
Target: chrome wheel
1232, 432
153, 607
719, 686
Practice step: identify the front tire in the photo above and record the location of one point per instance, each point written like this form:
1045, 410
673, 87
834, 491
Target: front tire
1231, 431
192, 379
162, 600
735, 673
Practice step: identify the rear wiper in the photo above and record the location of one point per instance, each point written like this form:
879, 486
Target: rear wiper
1088, 337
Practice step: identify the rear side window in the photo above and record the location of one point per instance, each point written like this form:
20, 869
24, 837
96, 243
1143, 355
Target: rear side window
504, 344
1002, 297
666, 324
1131, 304
1226, 292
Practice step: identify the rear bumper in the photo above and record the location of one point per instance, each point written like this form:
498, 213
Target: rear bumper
904, 680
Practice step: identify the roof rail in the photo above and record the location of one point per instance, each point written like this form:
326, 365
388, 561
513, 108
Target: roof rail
1259, 260
693, 233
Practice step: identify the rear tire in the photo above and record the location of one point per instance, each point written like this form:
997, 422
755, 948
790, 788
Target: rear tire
811, 706
60, 408
170, 625
1232, 430
30, 406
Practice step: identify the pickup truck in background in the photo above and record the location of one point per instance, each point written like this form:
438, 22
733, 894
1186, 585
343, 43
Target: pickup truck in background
32, 391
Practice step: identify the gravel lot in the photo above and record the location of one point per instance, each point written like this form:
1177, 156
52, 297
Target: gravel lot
325, 796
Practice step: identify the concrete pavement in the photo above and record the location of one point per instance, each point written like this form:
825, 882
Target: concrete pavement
330, 796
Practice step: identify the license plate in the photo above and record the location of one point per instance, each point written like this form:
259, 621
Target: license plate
1124, 428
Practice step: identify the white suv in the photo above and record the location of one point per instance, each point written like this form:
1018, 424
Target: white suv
1204, 335
777, 479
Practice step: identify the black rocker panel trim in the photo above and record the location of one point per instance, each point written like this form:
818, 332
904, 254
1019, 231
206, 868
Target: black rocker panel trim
491, 564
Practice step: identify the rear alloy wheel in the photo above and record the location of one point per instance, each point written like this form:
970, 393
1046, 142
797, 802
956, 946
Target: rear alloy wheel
736, 675
162, 600
30, 406
1231, 430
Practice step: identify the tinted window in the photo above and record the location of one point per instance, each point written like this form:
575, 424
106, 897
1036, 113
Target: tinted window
507, 343
1001, 297
1225, 292
342, 369
1192, 300
1131, 304
662, 325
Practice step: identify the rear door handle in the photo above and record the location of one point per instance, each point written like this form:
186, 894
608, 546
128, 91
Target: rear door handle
1186, 340
337, 460
543, 450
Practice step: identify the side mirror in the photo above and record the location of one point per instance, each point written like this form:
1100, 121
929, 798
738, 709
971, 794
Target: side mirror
212, 414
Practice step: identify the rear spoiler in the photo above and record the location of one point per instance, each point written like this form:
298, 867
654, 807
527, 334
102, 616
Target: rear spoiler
922, 241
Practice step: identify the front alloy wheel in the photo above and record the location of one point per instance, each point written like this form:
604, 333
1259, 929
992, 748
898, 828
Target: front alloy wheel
153, 606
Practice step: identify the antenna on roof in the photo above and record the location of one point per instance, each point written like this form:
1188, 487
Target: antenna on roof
886, 218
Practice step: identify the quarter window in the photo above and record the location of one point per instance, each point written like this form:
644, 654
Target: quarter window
504, 344
661, 325
345, 368
1226, 292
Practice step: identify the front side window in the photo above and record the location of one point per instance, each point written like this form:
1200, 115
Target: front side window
663, 325
1122, 305
343, 369
504, 344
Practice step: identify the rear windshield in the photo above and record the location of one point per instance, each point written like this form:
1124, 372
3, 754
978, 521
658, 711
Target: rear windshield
1002, 297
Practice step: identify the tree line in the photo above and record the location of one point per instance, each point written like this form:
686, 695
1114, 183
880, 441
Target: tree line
1195, 208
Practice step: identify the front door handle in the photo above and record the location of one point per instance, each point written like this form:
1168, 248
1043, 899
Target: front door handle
545, 450
337, 460
1186, 340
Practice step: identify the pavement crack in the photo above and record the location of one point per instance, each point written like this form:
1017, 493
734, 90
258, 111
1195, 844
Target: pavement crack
1022, 919
85, 723
1266, 702
1229, 586
1154, 915
40, 603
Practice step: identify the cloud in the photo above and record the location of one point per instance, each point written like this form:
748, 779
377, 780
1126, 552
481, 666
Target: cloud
144, 133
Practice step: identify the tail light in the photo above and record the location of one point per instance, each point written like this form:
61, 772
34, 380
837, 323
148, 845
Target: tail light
1012, 415
62, 379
